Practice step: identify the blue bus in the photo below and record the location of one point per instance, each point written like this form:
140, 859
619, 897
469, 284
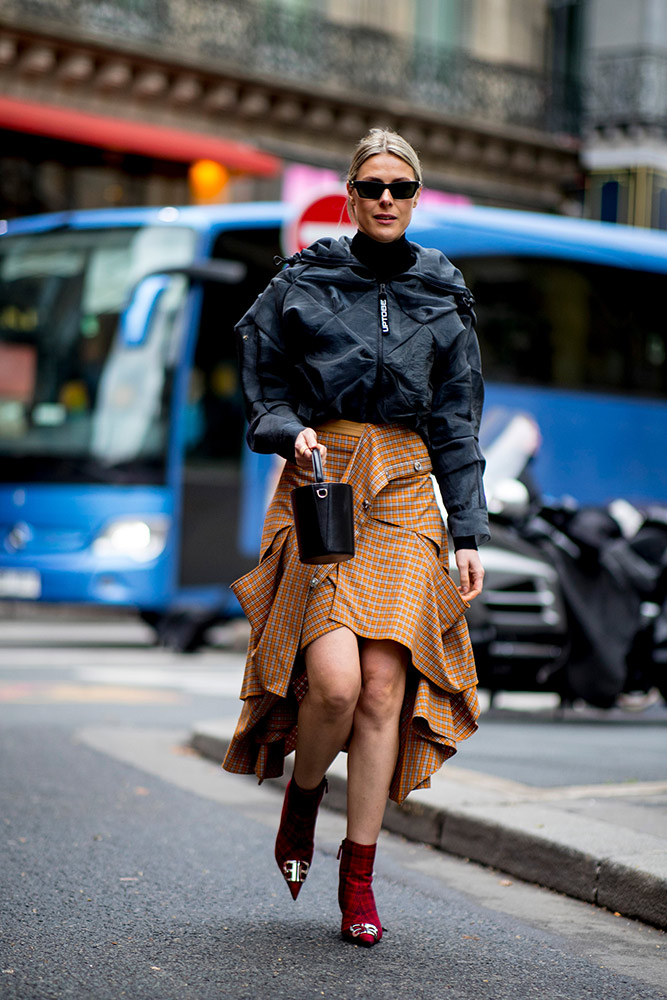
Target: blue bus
124, 479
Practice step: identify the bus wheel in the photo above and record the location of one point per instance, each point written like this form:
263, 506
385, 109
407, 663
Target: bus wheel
180, 631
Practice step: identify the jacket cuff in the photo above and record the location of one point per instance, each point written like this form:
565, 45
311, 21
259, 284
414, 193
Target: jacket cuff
464, 542
470, 522
288, 435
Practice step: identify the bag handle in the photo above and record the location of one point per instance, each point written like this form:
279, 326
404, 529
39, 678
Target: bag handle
317, 465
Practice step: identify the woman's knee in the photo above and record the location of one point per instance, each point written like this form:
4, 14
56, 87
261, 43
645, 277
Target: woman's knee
337, 698
384, 669
334, 673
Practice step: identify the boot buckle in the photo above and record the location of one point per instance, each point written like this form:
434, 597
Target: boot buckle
357, 929
295, 871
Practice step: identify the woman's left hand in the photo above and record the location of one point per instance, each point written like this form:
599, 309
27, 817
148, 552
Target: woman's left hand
471, 573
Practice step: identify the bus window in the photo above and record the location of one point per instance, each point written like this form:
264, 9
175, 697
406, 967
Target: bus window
131, 416
61, 295
214, 420
570, 324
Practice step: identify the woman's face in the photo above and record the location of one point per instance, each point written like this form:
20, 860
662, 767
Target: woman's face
386, 218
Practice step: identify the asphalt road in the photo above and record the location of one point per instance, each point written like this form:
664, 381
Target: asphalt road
133, 868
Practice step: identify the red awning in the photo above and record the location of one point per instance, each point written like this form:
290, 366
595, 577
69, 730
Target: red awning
138, 138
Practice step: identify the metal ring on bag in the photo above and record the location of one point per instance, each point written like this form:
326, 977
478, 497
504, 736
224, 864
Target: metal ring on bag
322, 494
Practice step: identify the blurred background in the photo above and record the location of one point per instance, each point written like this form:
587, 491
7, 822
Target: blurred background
553, 105
156, 156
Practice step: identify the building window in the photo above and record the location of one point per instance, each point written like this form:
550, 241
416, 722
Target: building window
661, 213
609, 202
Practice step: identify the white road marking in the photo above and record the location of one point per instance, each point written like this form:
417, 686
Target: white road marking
223, 684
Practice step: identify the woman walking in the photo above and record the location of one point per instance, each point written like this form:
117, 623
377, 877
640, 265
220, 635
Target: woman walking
365, 350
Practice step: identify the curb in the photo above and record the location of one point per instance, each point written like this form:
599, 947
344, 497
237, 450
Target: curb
537, 841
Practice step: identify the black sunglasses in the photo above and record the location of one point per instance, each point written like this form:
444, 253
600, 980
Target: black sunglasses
374, 190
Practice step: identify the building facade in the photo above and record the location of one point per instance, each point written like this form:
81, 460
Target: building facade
624, 149
111, 103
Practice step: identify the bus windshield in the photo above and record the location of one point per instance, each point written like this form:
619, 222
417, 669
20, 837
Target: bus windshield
75, 405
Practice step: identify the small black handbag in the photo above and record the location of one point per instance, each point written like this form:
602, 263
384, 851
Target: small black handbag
324, 519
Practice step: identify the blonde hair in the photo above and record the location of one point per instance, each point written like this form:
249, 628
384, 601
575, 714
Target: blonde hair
384, 140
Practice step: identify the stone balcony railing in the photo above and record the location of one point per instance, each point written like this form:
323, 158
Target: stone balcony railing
628, 89
262, 39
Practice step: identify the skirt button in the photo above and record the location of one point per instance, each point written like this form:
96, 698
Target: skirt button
418, 467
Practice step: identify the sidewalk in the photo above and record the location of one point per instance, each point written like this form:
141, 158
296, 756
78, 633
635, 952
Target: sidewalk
602, 843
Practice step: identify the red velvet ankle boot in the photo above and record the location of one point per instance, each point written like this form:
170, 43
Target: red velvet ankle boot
360, 923
296, 834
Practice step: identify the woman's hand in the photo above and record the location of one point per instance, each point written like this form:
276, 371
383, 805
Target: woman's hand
303, 449
471, 573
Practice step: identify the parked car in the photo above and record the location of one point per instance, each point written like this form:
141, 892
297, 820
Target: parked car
518, 624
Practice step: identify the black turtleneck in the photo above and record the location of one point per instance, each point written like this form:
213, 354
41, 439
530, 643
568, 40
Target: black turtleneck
386, 260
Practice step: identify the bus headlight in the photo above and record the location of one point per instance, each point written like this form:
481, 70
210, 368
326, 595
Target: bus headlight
142, 539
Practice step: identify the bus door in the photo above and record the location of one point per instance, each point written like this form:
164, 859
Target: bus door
223, 485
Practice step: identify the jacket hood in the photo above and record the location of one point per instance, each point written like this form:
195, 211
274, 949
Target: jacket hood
430, 265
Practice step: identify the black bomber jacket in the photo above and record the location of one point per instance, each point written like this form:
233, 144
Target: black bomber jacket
326, 340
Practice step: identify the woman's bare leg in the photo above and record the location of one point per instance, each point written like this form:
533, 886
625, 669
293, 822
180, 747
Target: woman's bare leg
373, 748
326, 712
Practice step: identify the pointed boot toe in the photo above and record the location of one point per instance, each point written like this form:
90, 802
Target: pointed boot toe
295, 841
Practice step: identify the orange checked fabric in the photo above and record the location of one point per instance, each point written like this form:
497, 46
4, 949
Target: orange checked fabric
397, 586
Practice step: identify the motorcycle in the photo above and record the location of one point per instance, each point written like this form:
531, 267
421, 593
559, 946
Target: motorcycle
612, 571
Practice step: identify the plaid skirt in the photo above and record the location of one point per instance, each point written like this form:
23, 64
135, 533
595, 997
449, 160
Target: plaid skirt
397, 587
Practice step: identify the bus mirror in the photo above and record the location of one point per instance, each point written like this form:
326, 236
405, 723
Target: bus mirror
135, 321
225, 272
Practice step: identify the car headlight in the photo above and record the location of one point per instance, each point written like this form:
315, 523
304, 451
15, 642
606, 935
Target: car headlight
141, 539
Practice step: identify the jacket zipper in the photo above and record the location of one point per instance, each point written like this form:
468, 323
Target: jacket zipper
384, 309
383, 330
